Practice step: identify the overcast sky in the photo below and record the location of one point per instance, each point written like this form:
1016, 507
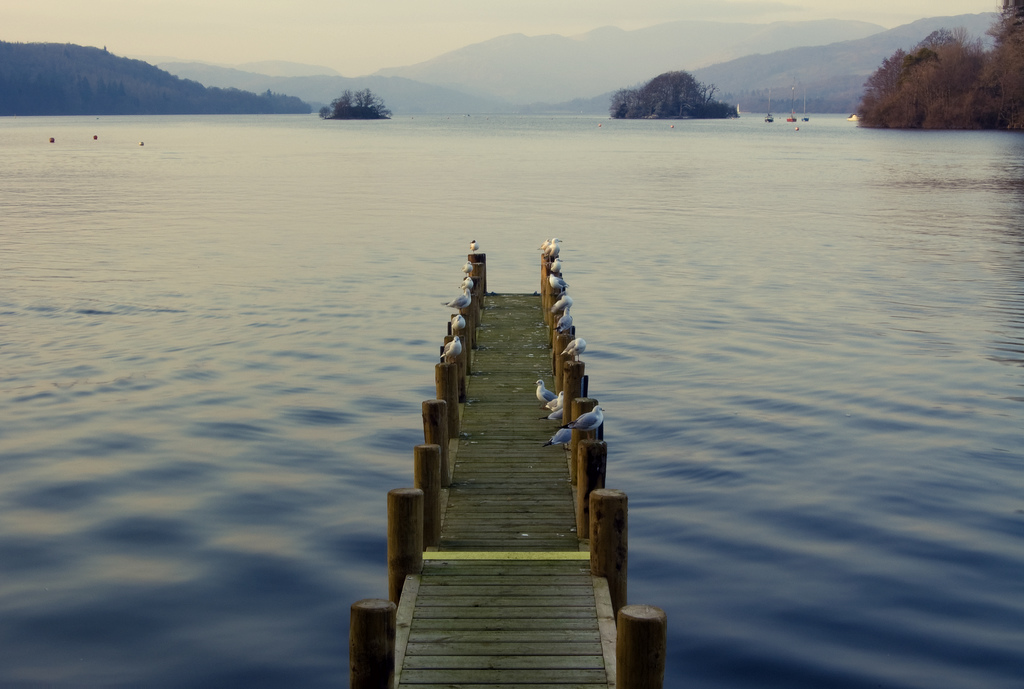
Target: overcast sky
358, 38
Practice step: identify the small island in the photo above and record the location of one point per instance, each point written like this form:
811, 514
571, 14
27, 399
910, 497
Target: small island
672, 95
361, 105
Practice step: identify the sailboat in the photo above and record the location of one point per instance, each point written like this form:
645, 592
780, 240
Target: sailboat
792, 107
768, 117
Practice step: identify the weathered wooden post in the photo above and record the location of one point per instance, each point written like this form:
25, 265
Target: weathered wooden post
460, 364
480, 258
640, 647
371, 644
435, 431
427, 477
577, 407
446, 381
592, 463
609, 542
572, 384
559, 341
405, 538
469, 332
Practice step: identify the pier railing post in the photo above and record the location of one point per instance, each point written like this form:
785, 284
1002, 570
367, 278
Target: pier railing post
592, 463
608, 541
576, 407
640, 647
427, 477
405, 538
435, 432
371, 644
446, 381
559, 341
572, 384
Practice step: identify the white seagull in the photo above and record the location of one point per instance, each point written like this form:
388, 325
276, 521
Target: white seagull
458, 322
543, 394
467, 282
473, 246
563, 303
556, 266
561, 437
590, 421
553, 248
557, 283
468, 268
460, 302
557, 403
555, 415
576, 347
564, 323
452, 350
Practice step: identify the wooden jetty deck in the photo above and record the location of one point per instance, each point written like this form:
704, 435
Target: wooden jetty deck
491, 584
525, 609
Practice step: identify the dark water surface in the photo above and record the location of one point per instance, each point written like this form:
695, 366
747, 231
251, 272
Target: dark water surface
213, 349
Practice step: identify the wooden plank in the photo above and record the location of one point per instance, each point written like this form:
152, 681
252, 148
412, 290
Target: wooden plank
492, 624
505, 662
494, 648
542, 676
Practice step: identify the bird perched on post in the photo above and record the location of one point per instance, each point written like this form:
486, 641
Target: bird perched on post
543, 394
467, 283
575, 348
590, 421
556, 403
553, 248
460, 302
452, 350
556, 266
563, 303
468, 268
473, 246
564, 323
458, 322
558, 283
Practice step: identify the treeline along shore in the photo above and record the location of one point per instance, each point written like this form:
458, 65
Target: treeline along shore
66, 79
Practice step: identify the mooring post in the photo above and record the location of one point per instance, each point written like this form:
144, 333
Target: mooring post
640, 647
469, 332
405, 538
435, 431
427, 477
559, 341
480, 258
608, 541
592, 463
371, 644
446, 381
460, 363
578, 407
572, 383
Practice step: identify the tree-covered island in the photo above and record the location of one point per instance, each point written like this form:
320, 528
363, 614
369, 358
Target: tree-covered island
361, 105
672, 95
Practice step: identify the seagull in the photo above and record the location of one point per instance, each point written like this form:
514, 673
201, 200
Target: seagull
556, 266
557, 403
557, 283
590, 421
473, 246
561, 437
543, 394
576, 347
562, 304
460, 302
564, 323
555, 415
545, 245
467, 282
452, 350
458, 322
468, 268
552, 250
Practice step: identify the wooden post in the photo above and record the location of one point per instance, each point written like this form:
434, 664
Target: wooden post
577, 407
640, 647
559, 341
592, 463
405, 538
427, 477
371, 644
469, 332
446, 381
608, 541
460, 364
572, 384
482, 260
435, 432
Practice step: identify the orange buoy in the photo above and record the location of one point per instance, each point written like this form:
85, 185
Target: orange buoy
51, 139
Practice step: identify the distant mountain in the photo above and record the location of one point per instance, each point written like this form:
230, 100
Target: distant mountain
832, 75
402, 96
281, 68
526, 69
66, 79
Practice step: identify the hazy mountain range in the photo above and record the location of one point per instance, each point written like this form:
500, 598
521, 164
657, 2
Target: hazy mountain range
830, 59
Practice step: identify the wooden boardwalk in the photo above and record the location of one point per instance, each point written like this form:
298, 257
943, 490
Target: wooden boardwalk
507, 599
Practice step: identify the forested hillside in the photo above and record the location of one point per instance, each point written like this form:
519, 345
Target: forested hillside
66, 79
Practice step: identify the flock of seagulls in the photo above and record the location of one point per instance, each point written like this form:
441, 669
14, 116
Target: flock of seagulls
555, 404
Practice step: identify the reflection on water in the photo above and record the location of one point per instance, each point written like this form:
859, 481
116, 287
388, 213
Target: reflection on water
213, 351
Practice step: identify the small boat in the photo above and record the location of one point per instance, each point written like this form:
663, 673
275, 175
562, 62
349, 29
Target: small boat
768, 117
792, 107
853, 118
806, 118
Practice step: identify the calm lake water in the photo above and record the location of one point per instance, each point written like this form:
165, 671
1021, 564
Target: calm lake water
213, 349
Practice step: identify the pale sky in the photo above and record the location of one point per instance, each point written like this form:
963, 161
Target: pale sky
358, 38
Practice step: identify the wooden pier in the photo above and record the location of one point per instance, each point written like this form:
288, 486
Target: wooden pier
507, 560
